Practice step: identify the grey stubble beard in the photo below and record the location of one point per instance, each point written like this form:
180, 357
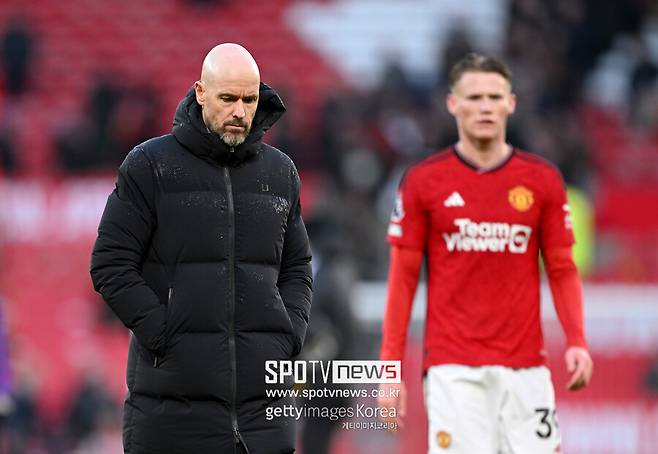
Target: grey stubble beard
232, 140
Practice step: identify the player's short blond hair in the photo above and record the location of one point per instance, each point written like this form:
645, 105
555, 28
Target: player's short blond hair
474, 62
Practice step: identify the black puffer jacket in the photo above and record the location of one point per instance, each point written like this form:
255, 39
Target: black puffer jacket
203, 254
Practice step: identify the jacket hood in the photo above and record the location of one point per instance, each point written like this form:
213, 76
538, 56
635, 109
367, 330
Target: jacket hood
190, 130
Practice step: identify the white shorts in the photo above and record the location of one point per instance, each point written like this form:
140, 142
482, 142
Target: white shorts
491, 410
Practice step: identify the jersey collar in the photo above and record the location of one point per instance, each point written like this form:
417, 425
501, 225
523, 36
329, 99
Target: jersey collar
473, 166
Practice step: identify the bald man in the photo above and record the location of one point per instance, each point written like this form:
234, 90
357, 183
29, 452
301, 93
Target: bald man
229, 74
202, 253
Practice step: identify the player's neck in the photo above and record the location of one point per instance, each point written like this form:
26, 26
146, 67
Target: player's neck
485, 155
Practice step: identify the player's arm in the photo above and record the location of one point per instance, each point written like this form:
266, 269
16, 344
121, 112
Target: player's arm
408, 235
402, 282
566, 289
404, 270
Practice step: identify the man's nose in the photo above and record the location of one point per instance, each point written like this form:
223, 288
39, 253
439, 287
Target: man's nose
486, 105
238, 109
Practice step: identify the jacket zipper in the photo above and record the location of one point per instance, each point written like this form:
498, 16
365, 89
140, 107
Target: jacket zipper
231, 307
156, 359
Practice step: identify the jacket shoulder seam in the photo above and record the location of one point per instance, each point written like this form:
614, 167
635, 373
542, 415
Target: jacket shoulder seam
155, 175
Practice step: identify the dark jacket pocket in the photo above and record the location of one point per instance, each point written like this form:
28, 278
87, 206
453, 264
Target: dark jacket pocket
170, 299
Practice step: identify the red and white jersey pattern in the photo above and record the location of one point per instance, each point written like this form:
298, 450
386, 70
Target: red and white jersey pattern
481, 232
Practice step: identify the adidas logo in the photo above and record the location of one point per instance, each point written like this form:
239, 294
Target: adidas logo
454, 200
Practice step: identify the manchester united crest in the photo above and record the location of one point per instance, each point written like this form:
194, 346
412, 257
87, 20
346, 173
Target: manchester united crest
443, 439
520, 198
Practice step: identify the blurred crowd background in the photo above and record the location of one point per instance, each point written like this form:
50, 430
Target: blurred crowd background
83, 81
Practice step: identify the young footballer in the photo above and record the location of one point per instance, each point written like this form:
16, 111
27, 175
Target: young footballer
480, 213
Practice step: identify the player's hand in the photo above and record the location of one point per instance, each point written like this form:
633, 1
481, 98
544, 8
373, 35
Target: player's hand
393, 396
580, 366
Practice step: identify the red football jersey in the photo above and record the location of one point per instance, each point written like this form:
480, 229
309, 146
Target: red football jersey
481, 232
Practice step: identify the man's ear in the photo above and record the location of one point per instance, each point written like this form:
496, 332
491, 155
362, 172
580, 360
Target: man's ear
512, 103
200, 92
451, 103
